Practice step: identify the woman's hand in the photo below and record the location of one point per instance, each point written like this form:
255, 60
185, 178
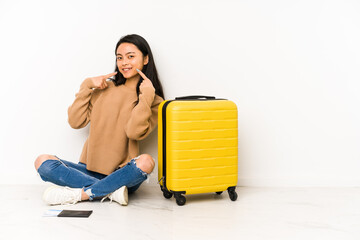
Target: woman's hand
100, 81
146, 82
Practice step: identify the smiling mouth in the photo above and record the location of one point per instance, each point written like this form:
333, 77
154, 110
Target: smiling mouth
126, 69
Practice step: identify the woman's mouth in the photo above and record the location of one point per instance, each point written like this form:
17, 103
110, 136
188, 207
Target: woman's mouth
126, 69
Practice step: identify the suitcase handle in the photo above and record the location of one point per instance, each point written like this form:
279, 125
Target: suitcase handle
195, 97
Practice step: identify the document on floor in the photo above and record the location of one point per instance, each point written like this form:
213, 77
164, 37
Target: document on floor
67, 213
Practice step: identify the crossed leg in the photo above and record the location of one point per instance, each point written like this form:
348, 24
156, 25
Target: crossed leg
144, 162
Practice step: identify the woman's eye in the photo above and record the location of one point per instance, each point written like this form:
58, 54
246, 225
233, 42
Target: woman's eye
118, 58
131, 56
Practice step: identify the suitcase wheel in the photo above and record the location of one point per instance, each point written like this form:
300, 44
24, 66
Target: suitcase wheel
167, 194
232, 193
180, 199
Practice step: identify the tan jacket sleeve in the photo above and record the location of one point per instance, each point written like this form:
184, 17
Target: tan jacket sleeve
144, 116
79, 112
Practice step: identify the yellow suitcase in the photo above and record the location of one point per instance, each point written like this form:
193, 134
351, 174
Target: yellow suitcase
197, 147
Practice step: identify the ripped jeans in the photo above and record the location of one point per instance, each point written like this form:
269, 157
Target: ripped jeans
95, 185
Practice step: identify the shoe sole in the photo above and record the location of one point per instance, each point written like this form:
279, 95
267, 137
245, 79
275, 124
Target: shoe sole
122, 196
44, 197
125, 200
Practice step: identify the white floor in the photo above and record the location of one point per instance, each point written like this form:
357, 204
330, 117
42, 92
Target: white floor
259, 213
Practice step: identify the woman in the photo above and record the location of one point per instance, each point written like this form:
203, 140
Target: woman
122, 112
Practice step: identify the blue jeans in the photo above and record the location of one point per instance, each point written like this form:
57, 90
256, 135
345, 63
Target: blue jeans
75, 175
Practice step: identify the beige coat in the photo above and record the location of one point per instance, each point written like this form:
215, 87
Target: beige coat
115, 124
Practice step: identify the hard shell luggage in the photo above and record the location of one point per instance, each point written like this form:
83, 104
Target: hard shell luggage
197, 147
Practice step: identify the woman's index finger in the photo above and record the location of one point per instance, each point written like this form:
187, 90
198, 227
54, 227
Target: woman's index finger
141, 73
110, 74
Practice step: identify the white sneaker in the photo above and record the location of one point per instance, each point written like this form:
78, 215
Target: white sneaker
120, 196
56, 195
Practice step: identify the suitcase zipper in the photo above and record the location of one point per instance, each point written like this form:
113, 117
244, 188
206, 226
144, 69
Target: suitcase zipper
164, 141
161, 180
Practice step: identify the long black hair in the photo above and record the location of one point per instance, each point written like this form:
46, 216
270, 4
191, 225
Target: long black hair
149, 69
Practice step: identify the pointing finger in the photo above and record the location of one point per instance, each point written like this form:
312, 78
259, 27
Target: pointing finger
110, 74
141, 74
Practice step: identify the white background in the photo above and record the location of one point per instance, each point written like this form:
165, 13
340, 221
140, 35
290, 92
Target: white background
292, 68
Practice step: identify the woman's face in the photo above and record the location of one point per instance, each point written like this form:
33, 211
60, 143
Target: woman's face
129, 58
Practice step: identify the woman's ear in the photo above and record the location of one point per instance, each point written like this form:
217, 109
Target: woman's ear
146, 59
